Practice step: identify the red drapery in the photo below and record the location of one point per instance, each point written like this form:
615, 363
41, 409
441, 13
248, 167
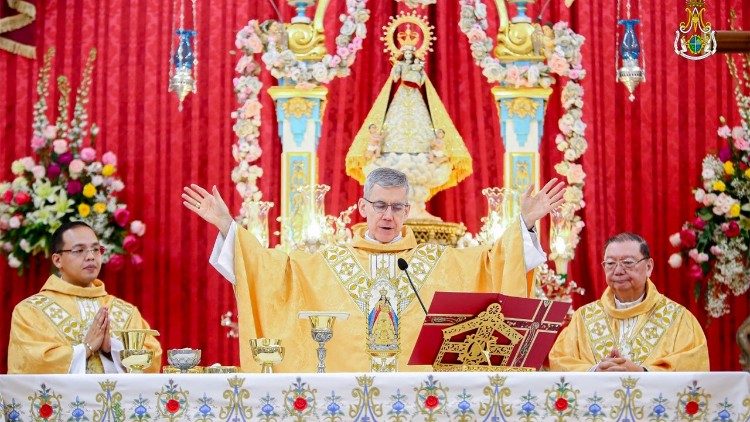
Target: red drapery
643, 159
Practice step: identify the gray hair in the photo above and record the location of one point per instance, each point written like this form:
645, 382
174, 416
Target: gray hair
630, 237
387, 178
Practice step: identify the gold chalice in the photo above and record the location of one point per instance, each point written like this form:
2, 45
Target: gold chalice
267, 352
133, 356
322, 331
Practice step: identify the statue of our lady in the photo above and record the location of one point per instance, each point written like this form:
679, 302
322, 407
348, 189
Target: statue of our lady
410, 129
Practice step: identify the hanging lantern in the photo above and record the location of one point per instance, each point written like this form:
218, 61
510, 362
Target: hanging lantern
183, 69
632, 68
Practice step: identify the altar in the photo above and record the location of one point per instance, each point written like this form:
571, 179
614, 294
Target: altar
720, 396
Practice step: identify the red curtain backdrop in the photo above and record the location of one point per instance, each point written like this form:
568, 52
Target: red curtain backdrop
644, 157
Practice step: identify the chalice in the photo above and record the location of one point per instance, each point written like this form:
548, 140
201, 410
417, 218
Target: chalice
133, 356
322, 331
184, 359
267, 352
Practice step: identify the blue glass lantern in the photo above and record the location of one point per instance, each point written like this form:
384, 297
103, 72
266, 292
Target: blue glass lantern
630, 73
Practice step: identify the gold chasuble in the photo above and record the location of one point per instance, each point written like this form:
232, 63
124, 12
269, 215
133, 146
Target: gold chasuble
362, 279
666, 336
47, 325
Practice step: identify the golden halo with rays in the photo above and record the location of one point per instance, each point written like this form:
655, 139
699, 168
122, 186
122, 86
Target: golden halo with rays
389, 34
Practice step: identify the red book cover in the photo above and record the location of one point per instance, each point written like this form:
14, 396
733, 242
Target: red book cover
524, 333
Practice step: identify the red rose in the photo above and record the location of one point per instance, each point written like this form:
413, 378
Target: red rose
742, 166
173, 406
699, 223
122, 216
695, 271
22, 198
116, 262
300, 404
129, 243
431, 402
691, 408
45, 411
561, 404
732, 229
8, 196
688, 239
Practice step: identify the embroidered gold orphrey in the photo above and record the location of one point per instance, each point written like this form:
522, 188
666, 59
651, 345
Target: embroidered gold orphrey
646, 335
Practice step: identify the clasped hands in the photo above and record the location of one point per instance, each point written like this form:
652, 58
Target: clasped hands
97, 338
615, 362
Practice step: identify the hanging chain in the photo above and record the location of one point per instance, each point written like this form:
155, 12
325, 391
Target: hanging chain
617, 41
171, 37
182, 27
195, 48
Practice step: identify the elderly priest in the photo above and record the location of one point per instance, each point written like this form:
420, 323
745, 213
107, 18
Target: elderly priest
67, 326
632, 327
363, 278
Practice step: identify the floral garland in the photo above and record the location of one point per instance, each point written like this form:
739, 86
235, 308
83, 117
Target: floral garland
270, 39
65, 182
564, 58
714, 245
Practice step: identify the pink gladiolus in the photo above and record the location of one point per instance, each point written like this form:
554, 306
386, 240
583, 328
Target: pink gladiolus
122, 216
109, 157
88, 154
129, 243
116, 262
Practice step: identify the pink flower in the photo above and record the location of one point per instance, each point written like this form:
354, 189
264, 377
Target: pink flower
732, 229
76, 166
37, 143
742, 144
716, 251
699, 223
22, 198
335, 61
342, 52
53, 171
136, 260
724, 132
576, 73
252, 108
695, 271
254, 44
693, 254
137, 227
475, 34
513, 75
15, 222
559, 65
88, 154
50, 132
38, 172
59, 146
356, 43
74, 187
129, 243
688, 238
122, 216
109, 157
116, 262
8, 196
675, 240
65, 158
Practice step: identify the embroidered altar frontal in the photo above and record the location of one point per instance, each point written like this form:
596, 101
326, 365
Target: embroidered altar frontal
721, 396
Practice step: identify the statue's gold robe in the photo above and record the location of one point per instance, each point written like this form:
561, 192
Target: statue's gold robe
46, 326
272, 287
666, 337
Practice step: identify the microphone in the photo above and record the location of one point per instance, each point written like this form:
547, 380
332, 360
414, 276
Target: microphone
403, 266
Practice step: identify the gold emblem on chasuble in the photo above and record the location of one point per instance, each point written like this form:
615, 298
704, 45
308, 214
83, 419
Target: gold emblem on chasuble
646, 335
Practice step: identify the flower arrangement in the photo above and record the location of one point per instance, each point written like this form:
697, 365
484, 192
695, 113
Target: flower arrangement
269, 40
64, 181
714, 245
555, 286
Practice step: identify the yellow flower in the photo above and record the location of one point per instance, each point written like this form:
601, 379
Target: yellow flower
734, 210
108, 170
719, 186
89, 190
747, 173
100, 207
84, 210
729, 168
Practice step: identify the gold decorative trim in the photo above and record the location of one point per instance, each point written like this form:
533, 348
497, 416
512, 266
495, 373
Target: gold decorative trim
68, 327
298, 107
283, 92
503, 92
522, 107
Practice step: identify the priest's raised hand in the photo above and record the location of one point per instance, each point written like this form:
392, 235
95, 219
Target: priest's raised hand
209, 206
534, 207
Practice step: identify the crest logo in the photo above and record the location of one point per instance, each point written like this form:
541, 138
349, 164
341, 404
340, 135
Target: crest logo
695, 39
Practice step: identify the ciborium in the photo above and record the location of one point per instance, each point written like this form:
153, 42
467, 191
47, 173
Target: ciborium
133, 356
267, 352
184, 359
322, 331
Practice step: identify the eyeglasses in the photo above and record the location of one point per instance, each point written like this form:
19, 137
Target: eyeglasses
81, 252
627, 263
381, 207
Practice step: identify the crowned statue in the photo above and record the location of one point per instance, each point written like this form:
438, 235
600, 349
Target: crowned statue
408, 127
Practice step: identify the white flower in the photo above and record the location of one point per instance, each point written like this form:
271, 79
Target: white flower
675, 260
13, 262
675, 239
39, 172
17, 167
25, 245
699, 195
118, 185
137, 227
97, 180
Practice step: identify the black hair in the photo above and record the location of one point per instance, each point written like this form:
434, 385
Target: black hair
57, 236
630, 237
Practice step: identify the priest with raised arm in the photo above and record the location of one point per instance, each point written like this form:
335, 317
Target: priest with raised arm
363, 278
